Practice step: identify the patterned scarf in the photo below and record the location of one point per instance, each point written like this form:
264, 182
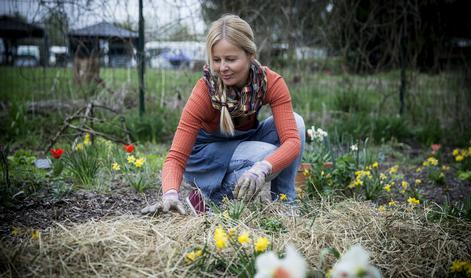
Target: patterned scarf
242, 102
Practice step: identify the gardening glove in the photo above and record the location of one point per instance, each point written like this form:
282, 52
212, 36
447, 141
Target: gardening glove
251, 182
264, 196
170, 201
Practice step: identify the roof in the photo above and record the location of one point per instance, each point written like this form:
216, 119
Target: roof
103, 29
12, 27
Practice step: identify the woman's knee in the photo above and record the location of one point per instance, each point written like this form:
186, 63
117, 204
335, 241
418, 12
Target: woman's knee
253, 151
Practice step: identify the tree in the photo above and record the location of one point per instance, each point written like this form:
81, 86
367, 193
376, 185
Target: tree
277, 22
180, 33
374, 35
57, 26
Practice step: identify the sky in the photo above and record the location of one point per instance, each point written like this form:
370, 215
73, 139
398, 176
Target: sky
159, 15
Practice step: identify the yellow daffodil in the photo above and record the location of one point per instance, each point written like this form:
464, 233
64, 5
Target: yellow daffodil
456, 152
381, 208
375, 165
243, 238
433, 161
131, 159
459, 158
283, 197
382, 176
413, 201
220, 238
87, 141
306, 173
221, 243
387, 187
193, 255
356, 183
392, 203
404, 185
393, 170
418, 182
139, 162
418, 170
445, 168
457, 266
115, 166
35, 234
261, 244
79, 147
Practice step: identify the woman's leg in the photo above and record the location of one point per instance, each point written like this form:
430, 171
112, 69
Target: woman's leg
247, 153
284, 181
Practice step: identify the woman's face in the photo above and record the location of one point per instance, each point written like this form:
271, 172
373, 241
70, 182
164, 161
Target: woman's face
230, 63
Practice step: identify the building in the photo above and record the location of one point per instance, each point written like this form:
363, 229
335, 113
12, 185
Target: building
23, 44
112, 45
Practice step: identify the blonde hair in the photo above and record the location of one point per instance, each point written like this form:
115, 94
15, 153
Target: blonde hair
239, 33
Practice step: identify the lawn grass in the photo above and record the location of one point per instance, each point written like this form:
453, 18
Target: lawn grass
349, 105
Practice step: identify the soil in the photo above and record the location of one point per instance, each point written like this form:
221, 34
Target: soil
41, 210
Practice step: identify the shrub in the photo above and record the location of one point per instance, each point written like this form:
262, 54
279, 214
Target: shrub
154, 126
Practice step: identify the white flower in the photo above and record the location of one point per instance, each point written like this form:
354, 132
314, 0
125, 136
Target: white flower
354, 147
316, 134
355, 263
320, 134
292, 265
310, 133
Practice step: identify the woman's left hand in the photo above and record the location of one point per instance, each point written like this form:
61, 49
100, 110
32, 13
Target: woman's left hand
250, 183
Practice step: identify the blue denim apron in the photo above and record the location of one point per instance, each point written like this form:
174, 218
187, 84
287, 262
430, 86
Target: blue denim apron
210, 158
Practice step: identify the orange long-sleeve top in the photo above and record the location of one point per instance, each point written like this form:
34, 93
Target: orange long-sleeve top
199, 113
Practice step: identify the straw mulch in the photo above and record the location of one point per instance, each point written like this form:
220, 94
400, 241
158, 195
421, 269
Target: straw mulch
402, 242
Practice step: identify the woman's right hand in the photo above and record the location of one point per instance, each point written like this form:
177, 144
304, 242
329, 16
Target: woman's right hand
170, 202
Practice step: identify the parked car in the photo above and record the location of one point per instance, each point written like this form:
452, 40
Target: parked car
58, 55
27, 56
170, 58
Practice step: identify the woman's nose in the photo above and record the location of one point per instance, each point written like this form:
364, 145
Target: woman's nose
223, 66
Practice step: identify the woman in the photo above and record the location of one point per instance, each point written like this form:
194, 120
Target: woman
219, 146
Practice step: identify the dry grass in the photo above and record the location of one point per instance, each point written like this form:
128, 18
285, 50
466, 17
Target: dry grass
403, 243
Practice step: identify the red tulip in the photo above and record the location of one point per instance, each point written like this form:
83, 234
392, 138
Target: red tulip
435, 148
57, 153
129, 148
